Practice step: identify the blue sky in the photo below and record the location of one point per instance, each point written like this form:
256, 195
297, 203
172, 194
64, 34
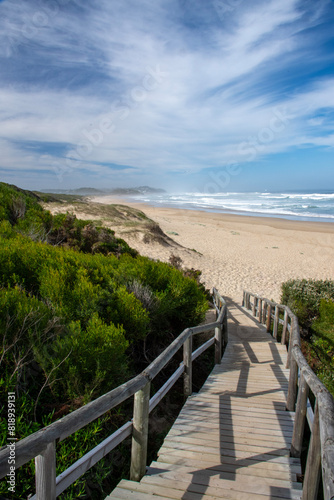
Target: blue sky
181, 94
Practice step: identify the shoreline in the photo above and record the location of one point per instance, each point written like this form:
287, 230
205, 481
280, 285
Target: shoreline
246, 218
233, 252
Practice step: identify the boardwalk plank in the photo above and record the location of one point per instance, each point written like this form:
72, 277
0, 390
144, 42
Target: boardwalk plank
221, 410
173, 490
232, 439
226, 439
191, 444
180, 457
202, 454
212, 479
229, 435
221, 468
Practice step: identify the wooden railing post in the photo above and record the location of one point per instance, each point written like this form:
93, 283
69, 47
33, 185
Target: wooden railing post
188, 367
299, 424
276, 320
293, 379
293, 326
260, 311
254, 306
312, 471
218, 344
269, 310
265, 309
225, 329
285, 327
140, 433
45, 475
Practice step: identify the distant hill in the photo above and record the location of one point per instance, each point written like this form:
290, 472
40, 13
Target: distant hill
86, 191
138, 190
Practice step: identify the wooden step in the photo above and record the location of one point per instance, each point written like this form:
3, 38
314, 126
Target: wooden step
220, 441
239, 432
210, 478
183, 458
192, 466
236, 452
151, 488
232, 439
222, 446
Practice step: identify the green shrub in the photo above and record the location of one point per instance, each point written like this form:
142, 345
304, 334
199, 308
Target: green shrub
323, 343
85, 362
77, 317
68, 451
304, 296
125, 309
24, 426
180, 301
21, 209
313, 303
27, 324
16, 203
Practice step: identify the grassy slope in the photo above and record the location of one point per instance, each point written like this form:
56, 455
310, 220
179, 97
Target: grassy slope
124, 220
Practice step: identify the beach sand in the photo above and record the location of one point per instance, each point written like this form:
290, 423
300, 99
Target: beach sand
240, 252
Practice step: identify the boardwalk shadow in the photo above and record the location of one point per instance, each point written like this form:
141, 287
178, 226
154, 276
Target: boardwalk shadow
235, 456
237, 428
247, 436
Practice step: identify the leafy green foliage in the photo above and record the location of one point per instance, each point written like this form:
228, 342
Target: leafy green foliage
24, 213
304, 297
68, 231
24, 427
126, 309
323, 343
15, 204
80, 313
27, 324
84, 361
68, 451
313, 303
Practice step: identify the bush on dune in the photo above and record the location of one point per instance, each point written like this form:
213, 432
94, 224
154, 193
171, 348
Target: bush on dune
313, 303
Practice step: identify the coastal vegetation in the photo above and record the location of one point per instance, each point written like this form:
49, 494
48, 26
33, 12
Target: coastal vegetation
127, 221
313, 303
81, 312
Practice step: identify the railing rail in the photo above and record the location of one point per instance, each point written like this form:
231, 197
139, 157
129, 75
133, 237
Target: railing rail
320, 457
41, 445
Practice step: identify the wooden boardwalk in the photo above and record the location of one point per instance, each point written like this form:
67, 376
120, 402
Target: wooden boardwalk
232, 439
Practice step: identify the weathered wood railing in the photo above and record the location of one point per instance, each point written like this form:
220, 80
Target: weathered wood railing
320, 456
41, 445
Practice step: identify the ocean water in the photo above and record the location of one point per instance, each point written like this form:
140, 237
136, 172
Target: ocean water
317, 206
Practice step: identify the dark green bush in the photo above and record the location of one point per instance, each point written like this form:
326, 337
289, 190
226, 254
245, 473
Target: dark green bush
180, 302
16, 204
313, 303
24, 213
26, 324
85, 362
75, 287
127, 310
323, 343
304, 297
76, 317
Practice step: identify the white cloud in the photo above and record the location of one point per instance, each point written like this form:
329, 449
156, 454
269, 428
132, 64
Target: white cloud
217, 91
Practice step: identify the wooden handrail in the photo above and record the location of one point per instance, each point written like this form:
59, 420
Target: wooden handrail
320, 455
41, 445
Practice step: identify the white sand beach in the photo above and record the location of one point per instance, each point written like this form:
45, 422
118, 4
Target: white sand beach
240, 252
